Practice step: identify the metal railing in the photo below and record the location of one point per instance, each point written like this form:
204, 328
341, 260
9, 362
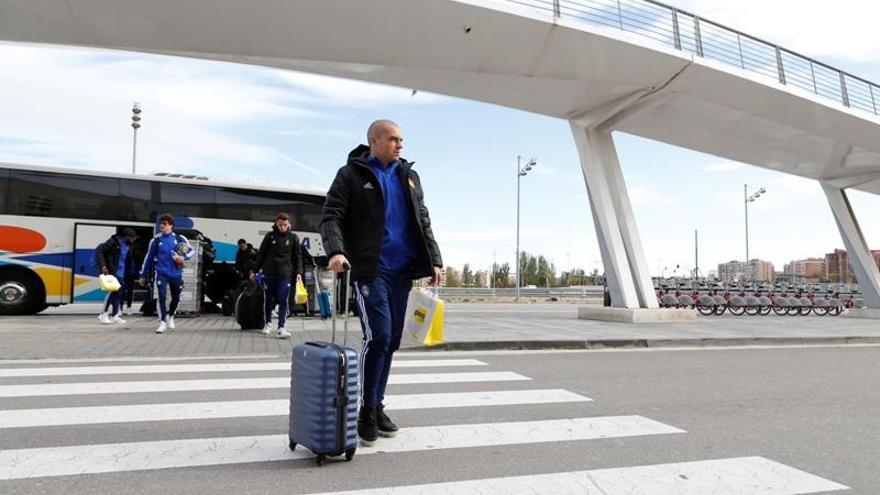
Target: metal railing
542, 292
691, 34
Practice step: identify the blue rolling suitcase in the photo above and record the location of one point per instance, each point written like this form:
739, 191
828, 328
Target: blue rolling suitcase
324, 396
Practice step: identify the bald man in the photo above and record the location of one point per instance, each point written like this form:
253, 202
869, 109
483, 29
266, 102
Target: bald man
375, 219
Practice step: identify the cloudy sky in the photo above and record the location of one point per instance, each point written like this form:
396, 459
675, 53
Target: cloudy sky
71, 107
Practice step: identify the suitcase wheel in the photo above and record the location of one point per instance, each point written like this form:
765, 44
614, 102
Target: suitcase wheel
292, 445
320, 460
349, 454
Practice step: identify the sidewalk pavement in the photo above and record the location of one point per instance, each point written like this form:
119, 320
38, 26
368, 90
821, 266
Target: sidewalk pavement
74, 333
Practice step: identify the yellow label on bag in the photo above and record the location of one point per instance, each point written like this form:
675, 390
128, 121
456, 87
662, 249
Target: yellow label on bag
420, 314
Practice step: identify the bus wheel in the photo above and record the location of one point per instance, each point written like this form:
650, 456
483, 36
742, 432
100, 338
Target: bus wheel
21, 293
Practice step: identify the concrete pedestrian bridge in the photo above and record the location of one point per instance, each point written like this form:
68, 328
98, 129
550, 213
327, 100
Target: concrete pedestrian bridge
633, 66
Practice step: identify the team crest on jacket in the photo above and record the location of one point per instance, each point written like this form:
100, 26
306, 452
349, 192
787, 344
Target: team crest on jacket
287, 242
365, 290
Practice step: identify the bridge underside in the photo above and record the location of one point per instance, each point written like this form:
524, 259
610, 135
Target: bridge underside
600, 80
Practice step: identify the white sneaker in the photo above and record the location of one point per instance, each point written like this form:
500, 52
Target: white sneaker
267, 329
118, 319
281, 333
127, 311
171, 325
162, 327
104, 318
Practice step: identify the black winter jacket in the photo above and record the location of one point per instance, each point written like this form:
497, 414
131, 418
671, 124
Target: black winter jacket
354, 218
279, 255
244, 261
107, 255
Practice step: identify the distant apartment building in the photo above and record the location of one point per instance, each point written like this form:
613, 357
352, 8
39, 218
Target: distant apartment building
739, 271
760, 271
812, 269
732, 271
456, 274
837, 267
483, 278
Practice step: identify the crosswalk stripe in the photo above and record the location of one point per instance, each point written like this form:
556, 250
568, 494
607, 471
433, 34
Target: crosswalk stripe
138, 456
212, 368
737, 475
142, 359
66, 416
55, 389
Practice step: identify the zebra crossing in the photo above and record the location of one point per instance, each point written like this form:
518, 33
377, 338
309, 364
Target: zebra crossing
100, 397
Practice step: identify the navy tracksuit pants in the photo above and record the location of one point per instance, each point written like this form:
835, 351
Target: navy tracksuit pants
114, 301
382, 309
277, 292
163, 283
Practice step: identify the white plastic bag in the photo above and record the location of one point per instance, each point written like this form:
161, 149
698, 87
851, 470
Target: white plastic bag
420, 307
108, 283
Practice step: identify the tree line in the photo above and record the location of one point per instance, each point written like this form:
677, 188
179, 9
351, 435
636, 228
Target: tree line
536, 270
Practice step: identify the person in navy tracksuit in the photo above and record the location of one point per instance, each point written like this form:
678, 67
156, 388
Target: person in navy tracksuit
280, 260
375, 217
166, 255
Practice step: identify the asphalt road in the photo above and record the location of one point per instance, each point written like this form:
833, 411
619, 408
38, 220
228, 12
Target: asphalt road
796, 420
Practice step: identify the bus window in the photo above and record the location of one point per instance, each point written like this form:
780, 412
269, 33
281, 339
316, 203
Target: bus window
191, 200
244, 204
307, 216
136, 201
4, 185
60, 195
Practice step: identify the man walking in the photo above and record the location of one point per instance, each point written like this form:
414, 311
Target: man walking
131, 275
167, 254
280, 259
114, 257
375, 217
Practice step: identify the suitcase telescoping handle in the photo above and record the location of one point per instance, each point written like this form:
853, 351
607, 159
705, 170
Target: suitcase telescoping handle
344, 278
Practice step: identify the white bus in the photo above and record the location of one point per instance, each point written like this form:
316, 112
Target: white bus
51, 220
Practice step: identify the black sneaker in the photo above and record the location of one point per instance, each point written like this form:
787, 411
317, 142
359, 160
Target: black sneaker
368, 431
387, 428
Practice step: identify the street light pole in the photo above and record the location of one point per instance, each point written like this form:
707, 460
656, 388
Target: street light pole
746, 200
520, 173
492, 284
518, 272
135, 125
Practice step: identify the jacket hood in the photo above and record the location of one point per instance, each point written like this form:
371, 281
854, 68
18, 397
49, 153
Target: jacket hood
360, 153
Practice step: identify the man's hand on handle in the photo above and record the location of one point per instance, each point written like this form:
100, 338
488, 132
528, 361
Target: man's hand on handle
438, 276
142, 281
338, 263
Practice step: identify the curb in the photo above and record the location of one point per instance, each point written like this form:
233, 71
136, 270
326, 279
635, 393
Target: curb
534, 345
